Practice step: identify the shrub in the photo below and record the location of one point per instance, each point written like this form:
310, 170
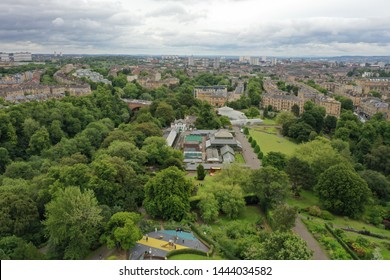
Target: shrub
314, 211
194, 201
260, 155
251, 199
326, 215
254, 143
257, 149
250, 139
186, 251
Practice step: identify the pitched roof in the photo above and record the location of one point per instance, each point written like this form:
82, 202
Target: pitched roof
226, 149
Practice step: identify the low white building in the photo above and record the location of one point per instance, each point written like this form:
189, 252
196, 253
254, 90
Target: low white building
179, 125
237, 117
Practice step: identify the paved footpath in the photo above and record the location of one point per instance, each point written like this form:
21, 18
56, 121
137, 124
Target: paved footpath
302, 231
249, 155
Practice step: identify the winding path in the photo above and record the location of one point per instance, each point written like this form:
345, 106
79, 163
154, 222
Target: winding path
301, 230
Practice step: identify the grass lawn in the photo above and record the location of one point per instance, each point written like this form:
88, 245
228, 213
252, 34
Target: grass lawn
306, 199
208, 183
269, 121
239, 158
193, 257
250, 214
273, 143
268, 129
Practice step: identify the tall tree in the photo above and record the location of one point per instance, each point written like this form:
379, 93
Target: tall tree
39, 141
165, 114
300, 173
283, 217
73, 222
230, 199
167, 194
270, 185
122, 230
209, 208
280, 246
343, 191
18, 213
200, 172
4, 159
378, 184
379, 159
275, 159
16, 248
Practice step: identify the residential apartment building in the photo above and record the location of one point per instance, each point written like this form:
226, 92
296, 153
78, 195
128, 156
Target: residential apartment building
282, 102
381, 85
215, 95
370, 106
332, 106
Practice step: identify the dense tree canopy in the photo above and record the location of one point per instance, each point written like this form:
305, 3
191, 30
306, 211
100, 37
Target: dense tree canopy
280, 246
343, 191
270, 185
122, 230
73, 222
167, 194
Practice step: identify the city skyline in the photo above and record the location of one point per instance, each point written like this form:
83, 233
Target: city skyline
228, 27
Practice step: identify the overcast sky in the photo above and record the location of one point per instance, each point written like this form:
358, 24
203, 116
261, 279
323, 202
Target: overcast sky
197, 27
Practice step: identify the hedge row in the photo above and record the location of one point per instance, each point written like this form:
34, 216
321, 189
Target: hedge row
256, 147
213, 245
194, 202
342, 243
187, 251
251, 199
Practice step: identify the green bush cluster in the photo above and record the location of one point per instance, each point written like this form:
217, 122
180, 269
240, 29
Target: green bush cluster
186, 251
334, 248
342, 243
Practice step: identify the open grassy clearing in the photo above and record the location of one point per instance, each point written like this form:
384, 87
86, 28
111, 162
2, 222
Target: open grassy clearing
207, 184
250, 214
239, 158
267, 129
273, 143
269, 121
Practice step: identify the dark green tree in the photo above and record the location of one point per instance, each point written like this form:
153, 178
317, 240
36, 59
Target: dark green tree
301, 174
283, 217
39, 141
343, 191
379, 159
330, 123
73, 222
209, 208
16, 248
201, 173
230, 199
270, 185
275, 159
377, 183
18, 213
167, 194
4, 159
122, 230
280, 246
